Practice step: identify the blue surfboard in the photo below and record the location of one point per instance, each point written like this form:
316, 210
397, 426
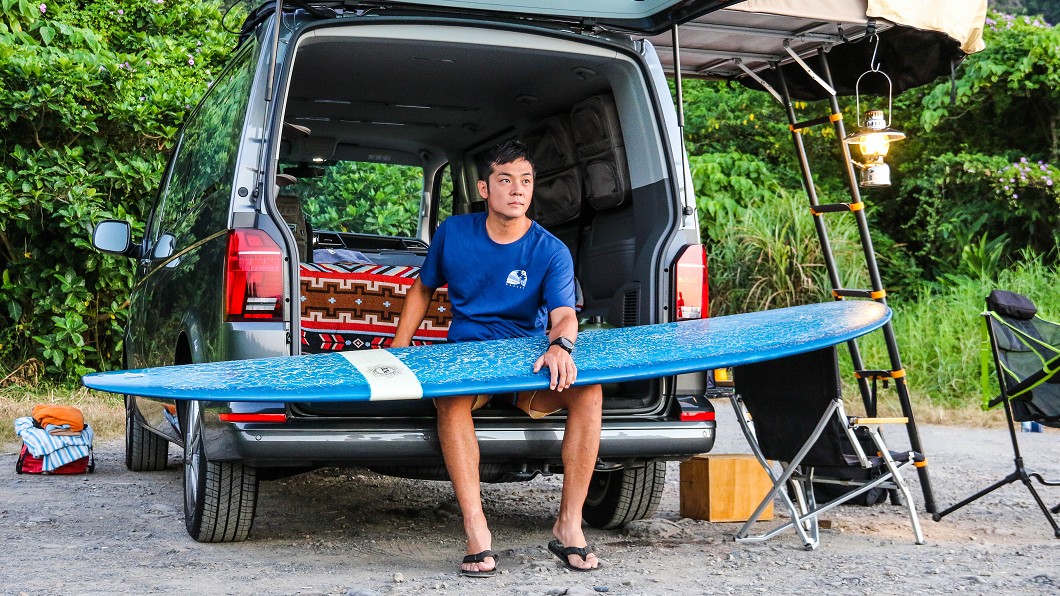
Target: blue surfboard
500, 366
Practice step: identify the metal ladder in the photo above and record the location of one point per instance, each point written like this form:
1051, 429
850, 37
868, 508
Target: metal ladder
867, 379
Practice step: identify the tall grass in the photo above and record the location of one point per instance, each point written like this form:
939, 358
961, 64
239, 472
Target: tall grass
940, 332
771, 256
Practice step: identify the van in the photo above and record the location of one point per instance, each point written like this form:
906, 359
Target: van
302, 194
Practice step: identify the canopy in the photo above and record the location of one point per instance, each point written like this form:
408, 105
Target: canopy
917, 42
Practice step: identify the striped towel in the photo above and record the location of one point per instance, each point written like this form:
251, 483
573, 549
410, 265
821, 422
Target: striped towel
53, 450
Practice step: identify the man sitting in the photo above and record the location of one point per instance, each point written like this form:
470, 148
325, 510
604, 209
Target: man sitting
509, 277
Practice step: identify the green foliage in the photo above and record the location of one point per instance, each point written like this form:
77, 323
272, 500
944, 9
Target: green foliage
939, 328
1007, 97
949, 203
770, 257
1049, 9
366, 198
725, 184
976, 180
86, 114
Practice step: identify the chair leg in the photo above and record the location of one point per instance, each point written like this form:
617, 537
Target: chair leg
899, 481
1013, 477
1041, 504
811, 524
1019, 474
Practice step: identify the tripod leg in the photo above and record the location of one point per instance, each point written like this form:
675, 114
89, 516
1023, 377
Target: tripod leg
1041, 505
1013, 477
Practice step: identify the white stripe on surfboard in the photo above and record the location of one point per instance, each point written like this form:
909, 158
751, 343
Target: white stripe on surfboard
388, 377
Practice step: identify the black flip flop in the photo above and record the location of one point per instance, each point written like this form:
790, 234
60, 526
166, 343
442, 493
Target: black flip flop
478, 558
562, 552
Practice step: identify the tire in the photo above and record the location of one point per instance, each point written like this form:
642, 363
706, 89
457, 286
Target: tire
145, 451
619, 497
219, 497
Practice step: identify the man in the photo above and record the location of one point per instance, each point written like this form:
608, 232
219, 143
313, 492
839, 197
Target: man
509, 277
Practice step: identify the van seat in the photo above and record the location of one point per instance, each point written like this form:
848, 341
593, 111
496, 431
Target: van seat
355, 306
290, 208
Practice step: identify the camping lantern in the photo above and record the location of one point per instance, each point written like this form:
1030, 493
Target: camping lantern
873, 138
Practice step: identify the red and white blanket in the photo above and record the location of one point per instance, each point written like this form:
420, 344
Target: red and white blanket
353, 306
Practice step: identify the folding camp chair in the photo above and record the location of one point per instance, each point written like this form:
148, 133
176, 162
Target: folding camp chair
795, 405
1027, 348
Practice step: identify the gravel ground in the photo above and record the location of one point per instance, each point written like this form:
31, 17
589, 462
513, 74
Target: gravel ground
351, 532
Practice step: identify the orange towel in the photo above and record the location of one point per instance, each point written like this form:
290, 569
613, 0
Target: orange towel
59, 415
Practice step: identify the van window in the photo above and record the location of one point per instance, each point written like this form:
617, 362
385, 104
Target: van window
200, 172
444, 190
364, 198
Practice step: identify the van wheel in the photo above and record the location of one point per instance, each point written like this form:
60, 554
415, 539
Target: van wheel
145, 451
219, 497
619, 497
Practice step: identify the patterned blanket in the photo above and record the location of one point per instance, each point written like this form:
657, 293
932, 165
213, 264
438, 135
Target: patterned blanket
354, 306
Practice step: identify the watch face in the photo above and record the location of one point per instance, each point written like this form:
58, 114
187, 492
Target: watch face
564, 343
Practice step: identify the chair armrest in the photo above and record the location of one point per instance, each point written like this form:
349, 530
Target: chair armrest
856, 421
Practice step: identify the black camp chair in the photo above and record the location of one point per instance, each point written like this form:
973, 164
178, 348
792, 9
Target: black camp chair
796, 409
1027, 348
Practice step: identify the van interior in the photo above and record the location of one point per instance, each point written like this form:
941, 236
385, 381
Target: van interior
415, 106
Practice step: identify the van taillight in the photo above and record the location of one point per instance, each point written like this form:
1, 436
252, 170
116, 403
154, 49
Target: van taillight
253, 277
691, 294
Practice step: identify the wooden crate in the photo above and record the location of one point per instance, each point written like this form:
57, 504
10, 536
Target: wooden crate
723, 487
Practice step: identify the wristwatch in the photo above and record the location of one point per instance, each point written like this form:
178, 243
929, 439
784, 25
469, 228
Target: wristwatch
564, 343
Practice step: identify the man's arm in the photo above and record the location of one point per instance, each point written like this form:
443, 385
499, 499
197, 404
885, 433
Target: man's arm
560, 364
417, 301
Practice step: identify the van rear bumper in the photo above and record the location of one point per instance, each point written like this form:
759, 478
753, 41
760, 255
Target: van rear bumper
282, 445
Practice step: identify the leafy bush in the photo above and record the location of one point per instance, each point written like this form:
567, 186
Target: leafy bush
366, 198
86, 115
953, 203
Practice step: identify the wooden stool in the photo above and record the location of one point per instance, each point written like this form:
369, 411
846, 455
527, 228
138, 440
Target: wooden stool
723, 487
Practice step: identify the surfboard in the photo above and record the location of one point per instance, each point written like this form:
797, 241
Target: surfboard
500, 366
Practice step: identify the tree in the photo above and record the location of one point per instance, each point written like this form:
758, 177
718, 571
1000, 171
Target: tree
86, 115
980, 171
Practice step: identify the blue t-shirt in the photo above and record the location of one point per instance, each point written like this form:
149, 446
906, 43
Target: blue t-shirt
498, 291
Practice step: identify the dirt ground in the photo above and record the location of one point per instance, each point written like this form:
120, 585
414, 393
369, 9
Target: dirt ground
351, 532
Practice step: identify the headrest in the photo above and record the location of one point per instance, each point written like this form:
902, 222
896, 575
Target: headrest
1011, 305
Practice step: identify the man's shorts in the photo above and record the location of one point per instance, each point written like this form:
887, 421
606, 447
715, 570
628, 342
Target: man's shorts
523, 401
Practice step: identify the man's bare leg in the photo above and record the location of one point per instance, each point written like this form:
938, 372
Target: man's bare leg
456, 432
581, 443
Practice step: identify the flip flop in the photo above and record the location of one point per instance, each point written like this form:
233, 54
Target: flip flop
562, 552
478, 558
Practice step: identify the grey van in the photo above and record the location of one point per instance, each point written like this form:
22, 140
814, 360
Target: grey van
301, 197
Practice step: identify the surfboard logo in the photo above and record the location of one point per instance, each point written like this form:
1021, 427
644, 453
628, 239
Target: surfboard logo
384, 370
516, 279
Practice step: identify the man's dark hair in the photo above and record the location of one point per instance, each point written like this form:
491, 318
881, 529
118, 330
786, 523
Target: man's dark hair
506, 152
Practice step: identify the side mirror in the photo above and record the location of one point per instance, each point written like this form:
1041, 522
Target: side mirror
114, 237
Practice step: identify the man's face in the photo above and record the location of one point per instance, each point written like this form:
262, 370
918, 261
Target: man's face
509, 189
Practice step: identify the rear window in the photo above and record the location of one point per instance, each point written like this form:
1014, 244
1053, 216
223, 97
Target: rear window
361, 197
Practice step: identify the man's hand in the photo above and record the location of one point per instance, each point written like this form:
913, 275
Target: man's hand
561, 367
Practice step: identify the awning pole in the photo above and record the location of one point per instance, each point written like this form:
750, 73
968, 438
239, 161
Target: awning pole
275, 51
686, 175
677, 84
809, 71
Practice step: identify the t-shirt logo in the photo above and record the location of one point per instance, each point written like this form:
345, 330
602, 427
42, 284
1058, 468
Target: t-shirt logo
516, 279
